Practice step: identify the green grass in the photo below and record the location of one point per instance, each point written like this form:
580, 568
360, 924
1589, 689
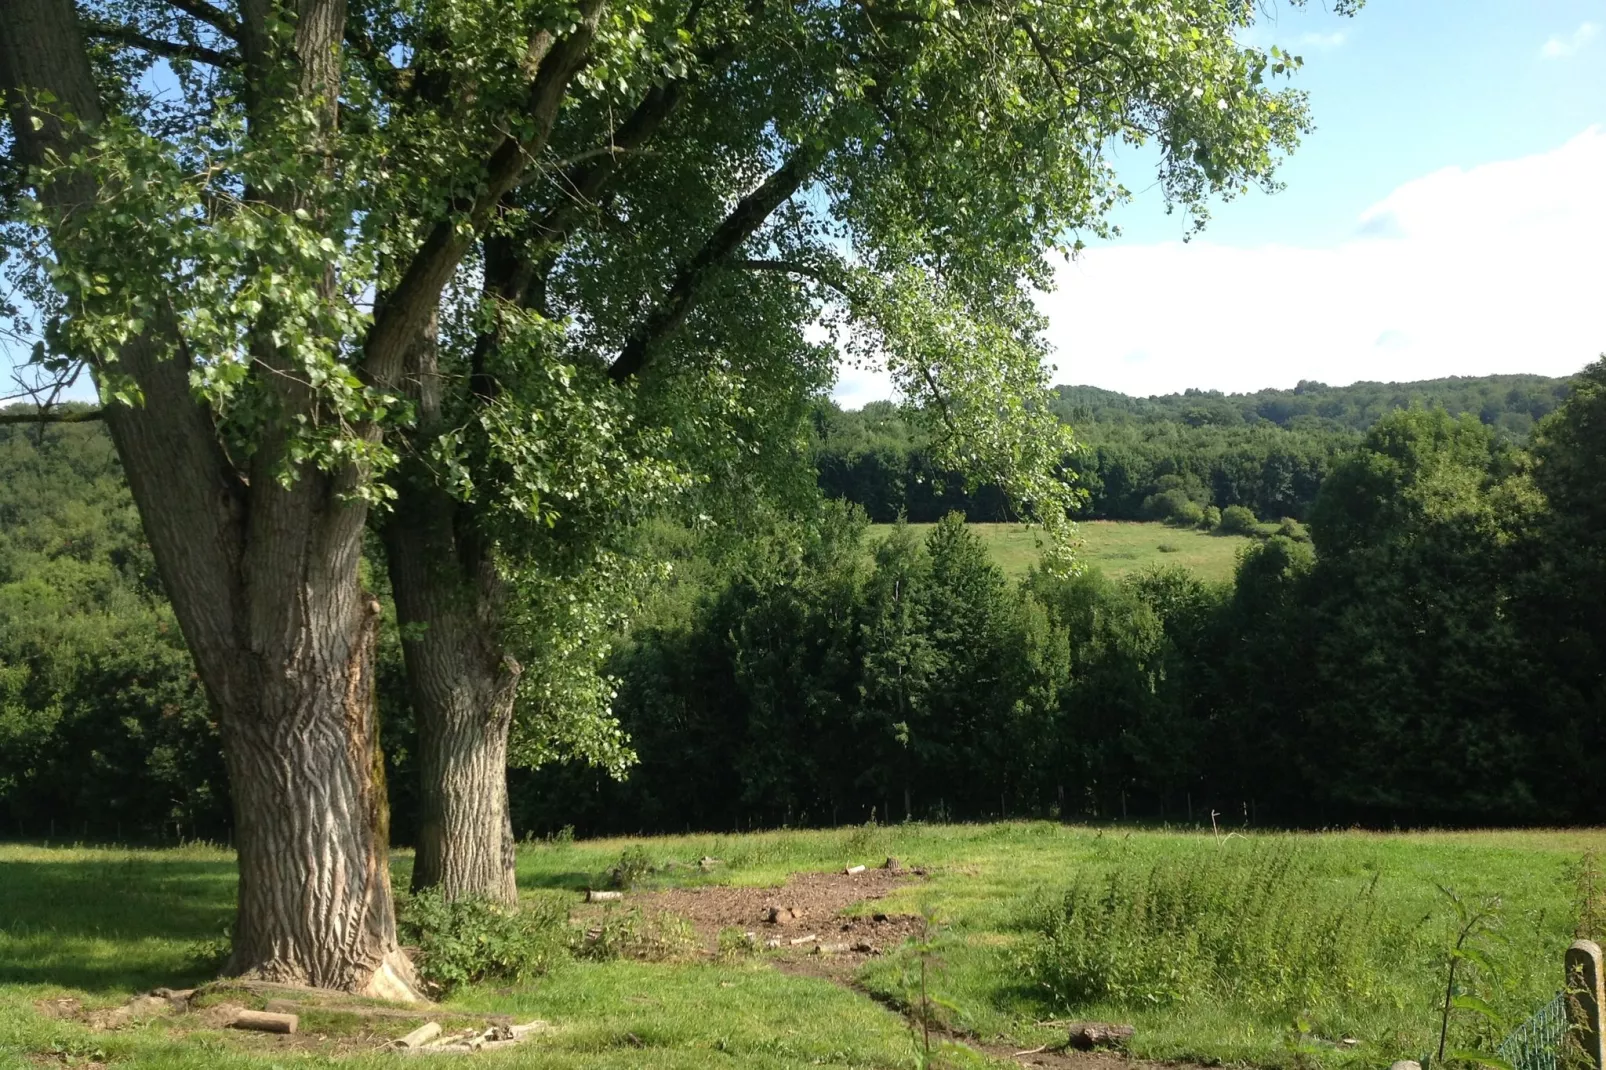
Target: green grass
101, 924
1115, 547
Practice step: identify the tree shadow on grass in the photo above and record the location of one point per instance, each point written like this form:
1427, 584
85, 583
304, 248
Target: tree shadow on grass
105, 925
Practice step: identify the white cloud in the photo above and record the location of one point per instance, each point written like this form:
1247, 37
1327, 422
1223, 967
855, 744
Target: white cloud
1560, 47
1500, 268
857, 384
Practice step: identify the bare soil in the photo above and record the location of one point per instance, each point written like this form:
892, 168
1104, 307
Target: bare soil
807, 929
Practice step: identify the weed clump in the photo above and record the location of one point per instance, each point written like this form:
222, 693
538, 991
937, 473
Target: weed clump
632, 934
466, 941
633, 867
1257, 930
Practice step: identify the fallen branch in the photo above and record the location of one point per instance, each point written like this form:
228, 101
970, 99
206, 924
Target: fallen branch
265, 1022
420, 1036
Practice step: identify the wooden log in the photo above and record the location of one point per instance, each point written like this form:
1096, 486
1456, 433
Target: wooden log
852, 870
265, 1022
809, 939
1086, 1036
521, 1031
603, 897
420, 1036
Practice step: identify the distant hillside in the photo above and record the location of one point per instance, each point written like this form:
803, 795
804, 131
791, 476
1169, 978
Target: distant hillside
1170, 456
1511, 403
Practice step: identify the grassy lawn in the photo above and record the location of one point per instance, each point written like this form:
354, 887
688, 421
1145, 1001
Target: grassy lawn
102, 924
1115, 547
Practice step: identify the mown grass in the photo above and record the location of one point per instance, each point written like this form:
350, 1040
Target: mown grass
1115, 547
101, 924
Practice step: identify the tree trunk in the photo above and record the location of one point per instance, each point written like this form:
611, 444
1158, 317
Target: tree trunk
461, 680
462, 688
312, 822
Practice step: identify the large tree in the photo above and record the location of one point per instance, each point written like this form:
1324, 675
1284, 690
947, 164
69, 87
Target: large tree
515, 268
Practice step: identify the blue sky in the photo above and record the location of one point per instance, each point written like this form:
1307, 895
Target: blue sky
1404, 88
1474, 132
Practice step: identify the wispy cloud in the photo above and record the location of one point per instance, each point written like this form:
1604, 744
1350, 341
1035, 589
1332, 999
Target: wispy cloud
1561, 46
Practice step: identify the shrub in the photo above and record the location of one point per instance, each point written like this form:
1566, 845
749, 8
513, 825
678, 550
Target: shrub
470, 940
1168, 548
1261, 930
1293, 529
1171, 506
1238, 520
1211, 520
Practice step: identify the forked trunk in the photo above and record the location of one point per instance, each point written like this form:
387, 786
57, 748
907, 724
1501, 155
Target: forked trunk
263, 579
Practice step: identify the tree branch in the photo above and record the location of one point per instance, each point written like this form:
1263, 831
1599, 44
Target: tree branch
45, 416
1042, 51
128, 35
790, 267
219, 20
408, 306
392, 79
743, 221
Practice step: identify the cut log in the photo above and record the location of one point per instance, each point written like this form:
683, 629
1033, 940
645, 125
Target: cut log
803, 940
521, 1031
832, 949
1086, 1036
604, 897
420, 1036
851, 870
265, 1022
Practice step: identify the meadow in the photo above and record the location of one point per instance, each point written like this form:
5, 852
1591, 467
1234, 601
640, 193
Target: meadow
1277, 950
1115, 547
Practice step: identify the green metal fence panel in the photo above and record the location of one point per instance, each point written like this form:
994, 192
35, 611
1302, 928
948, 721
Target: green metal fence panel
1536, 1043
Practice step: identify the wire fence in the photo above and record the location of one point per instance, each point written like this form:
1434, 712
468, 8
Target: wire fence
1536, 1043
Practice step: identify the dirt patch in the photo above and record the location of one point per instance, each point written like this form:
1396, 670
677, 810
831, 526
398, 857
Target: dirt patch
800, 921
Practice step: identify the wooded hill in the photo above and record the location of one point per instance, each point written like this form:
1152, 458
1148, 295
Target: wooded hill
1170, 456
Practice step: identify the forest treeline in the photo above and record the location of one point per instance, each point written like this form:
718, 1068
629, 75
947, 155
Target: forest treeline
1168, 457
1433, 654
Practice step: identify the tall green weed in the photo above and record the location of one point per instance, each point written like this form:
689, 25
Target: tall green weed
1251, 925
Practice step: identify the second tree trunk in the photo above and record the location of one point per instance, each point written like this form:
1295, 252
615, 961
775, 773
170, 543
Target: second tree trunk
462, 685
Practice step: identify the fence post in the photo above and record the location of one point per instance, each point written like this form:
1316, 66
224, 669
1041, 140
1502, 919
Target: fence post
1585, 998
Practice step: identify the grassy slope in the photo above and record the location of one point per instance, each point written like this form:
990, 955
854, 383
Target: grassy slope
1116, 547
101, 924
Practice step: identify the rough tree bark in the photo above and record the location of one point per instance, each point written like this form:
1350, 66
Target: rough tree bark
449, 598
462, 688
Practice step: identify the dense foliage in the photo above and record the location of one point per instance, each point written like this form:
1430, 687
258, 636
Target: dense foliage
1433, 657
103, 726
1148, 458
1430, 653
